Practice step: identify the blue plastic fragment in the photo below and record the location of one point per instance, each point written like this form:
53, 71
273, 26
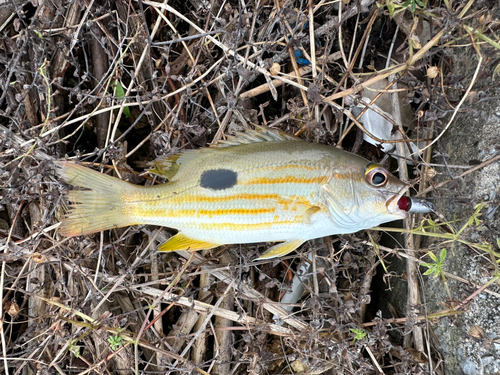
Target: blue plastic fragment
300, 59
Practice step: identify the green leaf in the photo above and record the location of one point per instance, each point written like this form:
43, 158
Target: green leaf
359, 334
115, 342
390, 8
495, 72
430, 271
442, 255
120, 94
432, 224
432, 256
75, 349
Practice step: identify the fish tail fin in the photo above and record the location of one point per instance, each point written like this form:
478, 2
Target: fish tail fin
99, 207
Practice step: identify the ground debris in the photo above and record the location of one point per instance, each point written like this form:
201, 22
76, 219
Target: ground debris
115, 84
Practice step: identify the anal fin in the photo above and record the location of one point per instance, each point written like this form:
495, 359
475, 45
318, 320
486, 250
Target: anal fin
281, 249
183, 242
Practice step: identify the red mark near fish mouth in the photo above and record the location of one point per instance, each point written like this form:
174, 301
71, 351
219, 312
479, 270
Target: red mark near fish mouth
404, 203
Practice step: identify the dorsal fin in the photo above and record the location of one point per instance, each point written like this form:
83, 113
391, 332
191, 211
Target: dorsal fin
260, 134
168, 166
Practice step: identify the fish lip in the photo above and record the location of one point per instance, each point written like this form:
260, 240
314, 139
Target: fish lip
392, 203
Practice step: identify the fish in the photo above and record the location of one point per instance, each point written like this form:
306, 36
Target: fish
256, 186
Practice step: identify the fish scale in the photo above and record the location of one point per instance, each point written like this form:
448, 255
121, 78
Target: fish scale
260, 186
264, 199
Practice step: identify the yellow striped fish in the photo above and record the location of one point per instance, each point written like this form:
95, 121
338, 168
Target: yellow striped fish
258, 186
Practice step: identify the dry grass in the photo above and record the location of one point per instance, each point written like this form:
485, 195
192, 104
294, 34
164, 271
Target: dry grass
116, 86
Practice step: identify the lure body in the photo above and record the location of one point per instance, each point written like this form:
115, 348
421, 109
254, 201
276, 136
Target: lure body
260, 186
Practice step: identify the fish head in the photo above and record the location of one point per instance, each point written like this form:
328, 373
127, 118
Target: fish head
363, 195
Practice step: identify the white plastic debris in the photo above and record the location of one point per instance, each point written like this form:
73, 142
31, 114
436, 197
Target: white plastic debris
380, 127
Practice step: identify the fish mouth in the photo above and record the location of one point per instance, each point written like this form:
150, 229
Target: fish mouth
395, 204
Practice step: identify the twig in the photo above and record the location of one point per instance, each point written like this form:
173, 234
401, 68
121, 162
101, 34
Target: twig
365, 45
186, 38
374, 360
3, 325
411, 268
226, 49
244, 289
223, 337
405, 255
393, 70
465, 96
277, 83
312, 46
473, 169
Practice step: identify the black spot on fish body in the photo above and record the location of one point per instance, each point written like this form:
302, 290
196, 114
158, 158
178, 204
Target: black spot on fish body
218, 179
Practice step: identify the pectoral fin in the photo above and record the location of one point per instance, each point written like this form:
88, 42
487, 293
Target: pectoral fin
183, 242
281, 249
310, 212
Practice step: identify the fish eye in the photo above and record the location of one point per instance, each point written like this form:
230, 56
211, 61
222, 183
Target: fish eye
376, 175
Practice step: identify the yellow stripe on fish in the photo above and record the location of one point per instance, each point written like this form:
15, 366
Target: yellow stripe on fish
203, 213
260, 186
283, 180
